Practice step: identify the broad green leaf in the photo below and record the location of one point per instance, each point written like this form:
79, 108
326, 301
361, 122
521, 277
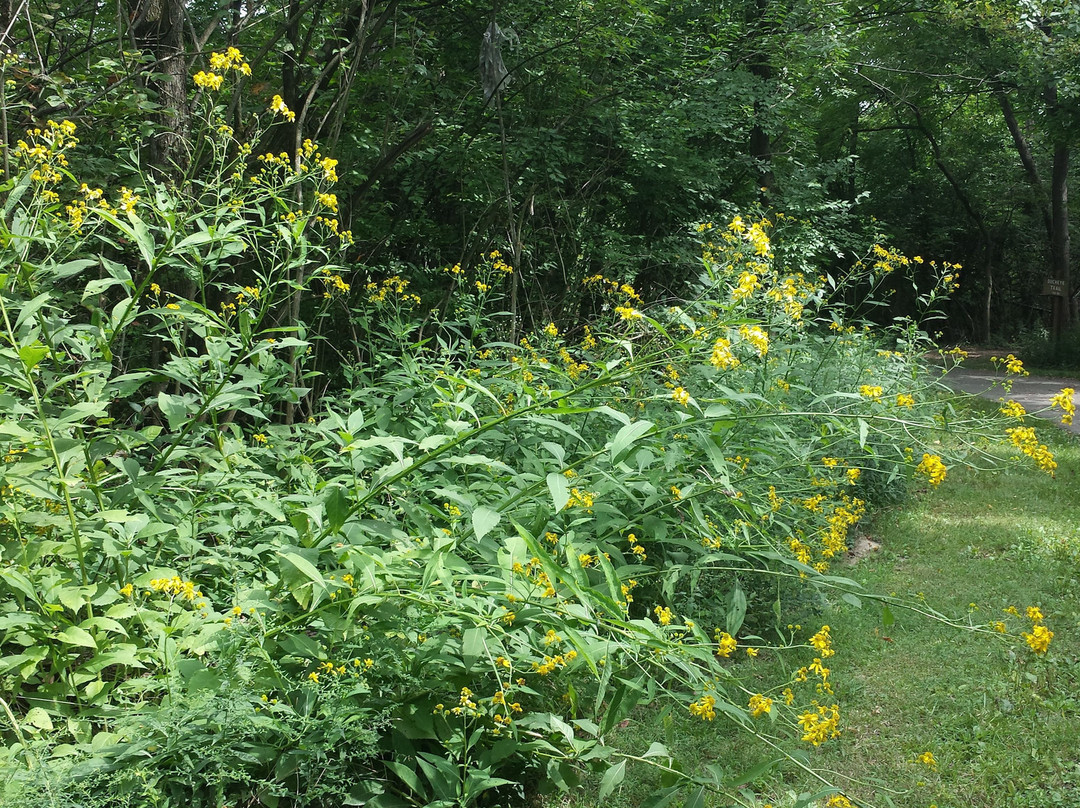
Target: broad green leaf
174, 408
472, 646
73, 635
37, 717
69, 268
696, 799
336, 503
559, 487
627, 437
32, 354
612, 778
484, 520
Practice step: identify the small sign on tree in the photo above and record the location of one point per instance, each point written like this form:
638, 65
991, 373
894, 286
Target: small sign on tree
1055, 287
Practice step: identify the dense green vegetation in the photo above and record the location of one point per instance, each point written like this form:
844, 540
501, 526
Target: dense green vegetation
388, 433
1000, 726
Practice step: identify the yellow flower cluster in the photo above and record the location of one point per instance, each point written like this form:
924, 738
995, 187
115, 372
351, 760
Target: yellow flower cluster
1013, 409
723, 358
636, 548
176, 587
704, 708
756, 337
553, 663
574, 369
760, 705
725, 644
748, 284
612, 287
1023, 438
1038, 639
871, 391
208, 81
278, 105
823, 642
44, 154
664, 615
905, 400
328, 200
933, 468
231, 59
1064, 401
580, 499
821, 725
843, 517
393, 287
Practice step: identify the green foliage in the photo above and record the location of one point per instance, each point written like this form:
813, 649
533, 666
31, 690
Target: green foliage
452, 580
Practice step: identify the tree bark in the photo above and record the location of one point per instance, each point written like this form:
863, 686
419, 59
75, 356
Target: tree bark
1026, 159
1059, 239
158, 27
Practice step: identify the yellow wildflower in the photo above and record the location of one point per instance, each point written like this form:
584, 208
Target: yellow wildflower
1039, 639
277, 104
760, 705
208, 81
704, 708
933, 468
871, 391
1064, 400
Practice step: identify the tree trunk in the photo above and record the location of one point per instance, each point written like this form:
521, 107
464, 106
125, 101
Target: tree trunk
761, 147
1059, 239
1026, 159
158, 27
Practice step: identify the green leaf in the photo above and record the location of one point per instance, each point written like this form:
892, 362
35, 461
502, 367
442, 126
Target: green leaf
749, 777
657, 750
472, 646
696, 800
73, 635
887, 618
484, 520
847, 597
37, 717
408, 777
612, 778
31, 355
99, 285
864, 431
662, 797
736, 610
559, 487
336, 503
69, 268
627, 437
174, 408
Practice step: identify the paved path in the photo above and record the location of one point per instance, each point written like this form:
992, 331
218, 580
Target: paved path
1033, 392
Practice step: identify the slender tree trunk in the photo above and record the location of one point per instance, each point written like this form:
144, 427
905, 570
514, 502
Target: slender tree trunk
1059, 239
985, 237
761, 146
158, 27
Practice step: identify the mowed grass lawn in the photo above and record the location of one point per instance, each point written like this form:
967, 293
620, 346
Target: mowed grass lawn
1003, 724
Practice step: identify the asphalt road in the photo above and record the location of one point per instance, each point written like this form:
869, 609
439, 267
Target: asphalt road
1033, 392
